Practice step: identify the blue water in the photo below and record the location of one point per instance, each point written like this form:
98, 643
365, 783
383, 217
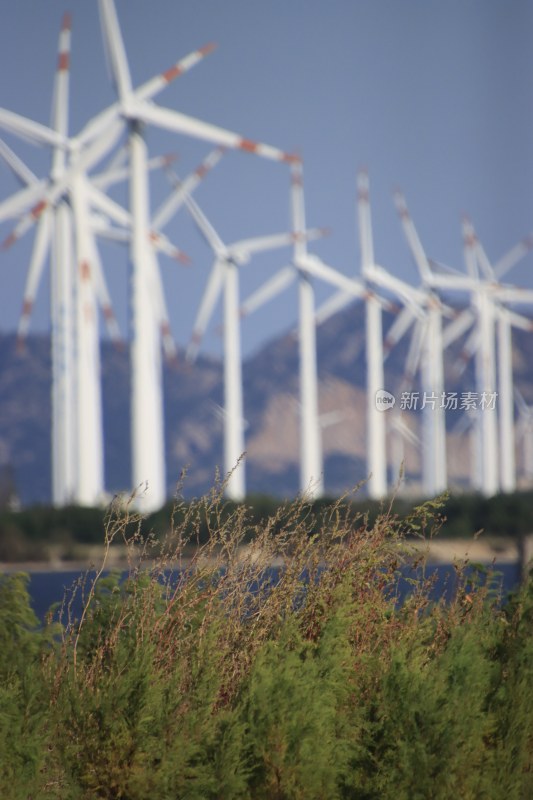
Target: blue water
47, 588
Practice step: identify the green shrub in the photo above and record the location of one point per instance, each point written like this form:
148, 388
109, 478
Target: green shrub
203, 674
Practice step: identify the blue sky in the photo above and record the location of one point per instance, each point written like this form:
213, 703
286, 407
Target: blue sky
435, 97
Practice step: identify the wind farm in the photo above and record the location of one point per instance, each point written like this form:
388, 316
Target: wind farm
97, 196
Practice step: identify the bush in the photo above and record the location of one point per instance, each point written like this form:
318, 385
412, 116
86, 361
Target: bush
274, 662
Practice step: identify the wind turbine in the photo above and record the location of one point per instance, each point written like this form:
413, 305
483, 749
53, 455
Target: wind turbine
303, 269
101, 134
148, 450
63, 459
68, 192
77, 447
85, 150
427, 310
54, 227
483, 293
375, 350
504, 320
224, 278
375, 377
431, 344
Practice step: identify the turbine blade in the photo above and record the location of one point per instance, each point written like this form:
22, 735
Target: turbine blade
22, 173
24, 224
512, 257
108, 206
469, 248
161, 310
413, 239
35, 271
189, 126
147, 90
513, 294
316, 267
516, 320
366, 240
398, 329
408, 294
114, 47
35, 132
205, 228
482, 258
50, 195
205, 310
60, 100
298, 210
258, 244
164, 245
280, 281
156, 84
415, 351
183, 188
339, 300
455, 329
19, 202
123, 218
470, 347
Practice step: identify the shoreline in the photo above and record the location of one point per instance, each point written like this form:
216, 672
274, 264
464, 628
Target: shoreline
498, 550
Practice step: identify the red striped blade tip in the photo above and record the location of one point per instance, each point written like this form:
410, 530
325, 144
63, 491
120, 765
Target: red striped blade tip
9, 241
207, 48
183, 258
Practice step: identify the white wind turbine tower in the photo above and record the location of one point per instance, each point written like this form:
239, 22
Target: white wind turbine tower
525, 436
57, 207
55, 226
63, 486
483, 293
374, 304
88, 430
487, 422
88, 491
147, 415
418, 306
312, 478
98, 138
224, 278
303, 268
375, 353
432, 351
504, 319
76, 395
87, 474
375, 378
68, 189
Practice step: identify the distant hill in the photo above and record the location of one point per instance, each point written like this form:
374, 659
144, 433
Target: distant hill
193, 397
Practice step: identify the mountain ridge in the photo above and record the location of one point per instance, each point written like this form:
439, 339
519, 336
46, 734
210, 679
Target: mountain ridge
193, 396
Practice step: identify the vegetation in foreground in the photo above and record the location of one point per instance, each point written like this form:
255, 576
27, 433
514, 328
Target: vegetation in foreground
220, 678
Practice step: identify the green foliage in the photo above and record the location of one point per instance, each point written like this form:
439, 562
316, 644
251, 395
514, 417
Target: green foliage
204, 675
24, 700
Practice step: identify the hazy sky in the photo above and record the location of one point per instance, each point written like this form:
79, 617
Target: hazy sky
435, 97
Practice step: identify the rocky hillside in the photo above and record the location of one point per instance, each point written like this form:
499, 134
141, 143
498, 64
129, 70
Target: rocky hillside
193, 397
